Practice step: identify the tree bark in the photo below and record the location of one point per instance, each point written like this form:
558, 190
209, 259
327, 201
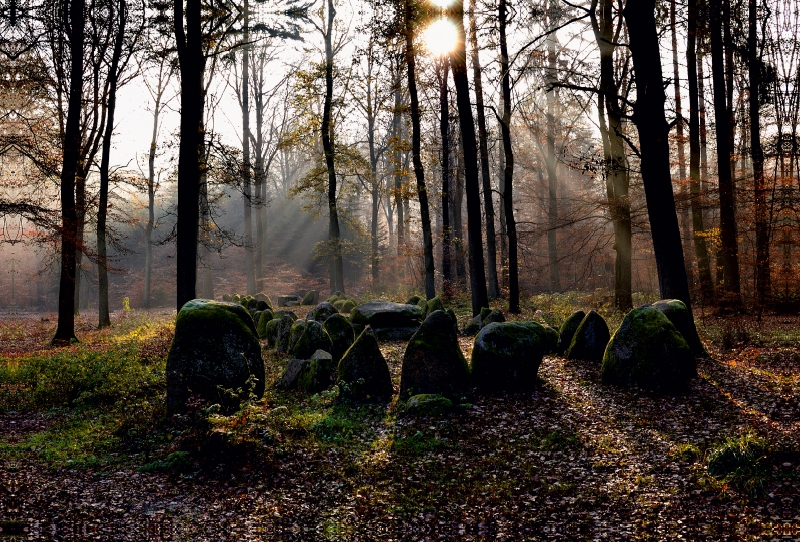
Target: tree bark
458, 61
483, 147
247, 198
444, 130
679, 139
722, 117
508, 170
550, 158
419, 172
698, 227
650, 119
763, 282
65, 331
104, 318
192, 64
334, 235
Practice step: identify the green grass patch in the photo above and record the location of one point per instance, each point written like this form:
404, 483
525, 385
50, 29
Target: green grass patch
740, 462
416, 445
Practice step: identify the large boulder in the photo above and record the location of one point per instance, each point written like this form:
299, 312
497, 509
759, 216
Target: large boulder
311, 298
590, 339
271, 333
486, 316
298, 327
312, 375
312, 339
434, 304
677, 313
413, 300
283, 333
262, 305
289, 300
341, 334
548, 337
648, 351
433, 362
567, 330
506, 357
348, 306
215, 349
321, 312
389, 321
363, 374
261, 324
280, 313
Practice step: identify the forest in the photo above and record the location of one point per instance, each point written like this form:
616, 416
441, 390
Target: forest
399, 269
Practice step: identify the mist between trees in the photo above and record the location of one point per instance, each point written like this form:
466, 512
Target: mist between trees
552, 146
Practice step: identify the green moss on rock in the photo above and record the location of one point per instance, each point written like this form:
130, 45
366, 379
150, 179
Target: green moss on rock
649, 352
341, 334
567, 330
506, 357
433, 362
677, 313
590, 339
312, 339
363, 374
426, 404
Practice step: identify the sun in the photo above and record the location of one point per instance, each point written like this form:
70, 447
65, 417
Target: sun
440, 37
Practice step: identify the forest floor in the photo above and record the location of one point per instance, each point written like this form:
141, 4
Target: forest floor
88, 453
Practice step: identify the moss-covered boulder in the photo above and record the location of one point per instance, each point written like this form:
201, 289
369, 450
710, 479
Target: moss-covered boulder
291, 374
311, 298
426, 404
215, 349
316, 373
339, 304
283, 333
256, 318
261, 326
322, 312
648, 351
341, 334
590, 339
298, 327
261, 296
348, 306
313, 338
677, 313
433, 362
280, 313
413, 300
486, 316
270, 332
363, 374
506, 357
262, 305
423, 305
474, 326
567, 331
434, 304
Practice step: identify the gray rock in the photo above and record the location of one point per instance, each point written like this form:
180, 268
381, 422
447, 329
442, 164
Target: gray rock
590, 339
298, 327
289, 300
428, 405
291, 375
433, 362
386, 314
568, 330
506, 357
363, 374
648, 351
215, 348
283, 332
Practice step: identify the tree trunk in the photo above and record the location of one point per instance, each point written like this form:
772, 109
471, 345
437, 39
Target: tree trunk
651, 123
192, 64
458, 61
419, 173
246, 164
457, 218
698, 227
65, 331
679, 139
763, 282
373, 177
483, 146
616, 162
80, 229
730, 249
397, 171
444, 130
508, 170
550, 158
104, 318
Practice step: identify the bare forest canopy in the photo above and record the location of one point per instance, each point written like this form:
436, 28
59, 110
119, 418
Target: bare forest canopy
157, 152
